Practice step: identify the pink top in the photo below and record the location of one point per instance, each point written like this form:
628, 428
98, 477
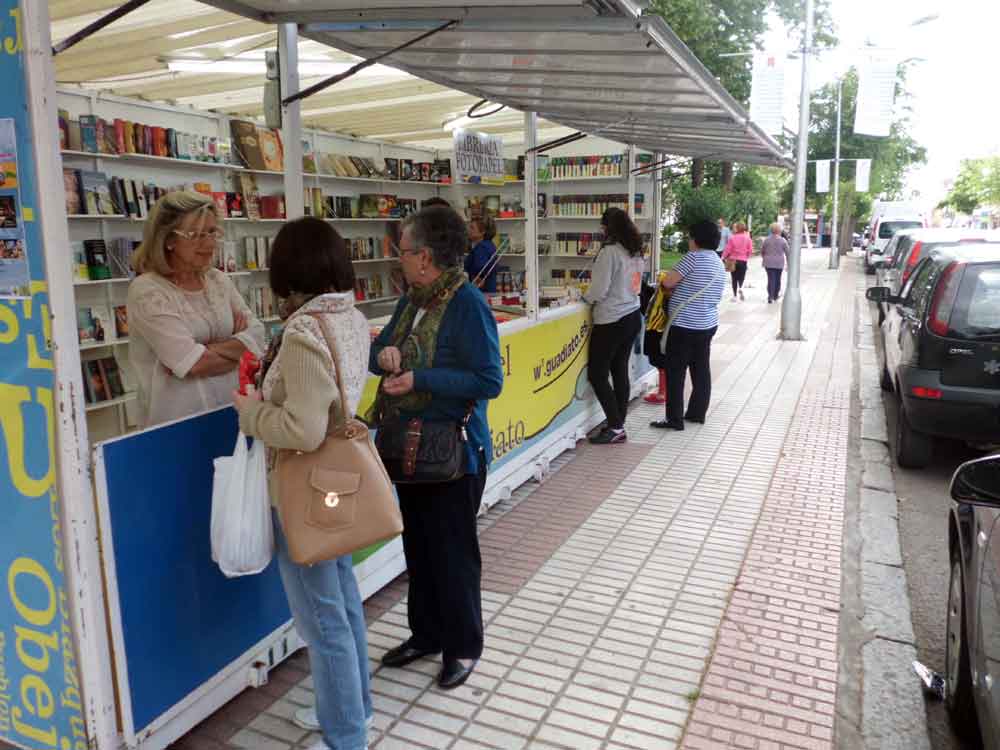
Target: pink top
739, 247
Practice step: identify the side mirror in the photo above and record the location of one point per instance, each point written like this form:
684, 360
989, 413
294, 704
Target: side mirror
978, 482
878, 294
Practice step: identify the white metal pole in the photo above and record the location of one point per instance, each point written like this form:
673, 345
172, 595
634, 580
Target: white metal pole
791, 308
834, 250
78, 517
631, 181
531, 265
291, 120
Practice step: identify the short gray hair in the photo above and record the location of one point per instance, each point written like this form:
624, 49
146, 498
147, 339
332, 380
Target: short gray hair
442, 231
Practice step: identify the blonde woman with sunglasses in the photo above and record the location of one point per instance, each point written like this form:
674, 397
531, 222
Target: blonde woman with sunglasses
188, 323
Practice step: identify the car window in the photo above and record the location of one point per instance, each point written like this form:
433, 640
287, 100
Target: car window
977, 312
888, 228
920, 286
903, 243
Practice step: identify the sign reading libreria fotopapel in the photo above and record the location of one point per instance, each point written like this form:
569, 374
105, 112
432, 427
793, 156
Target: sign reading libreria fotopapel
40, 706
478, 158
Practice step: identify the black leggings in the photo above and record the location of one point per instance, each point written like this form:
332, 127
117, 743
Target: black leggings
739, 274
610, 346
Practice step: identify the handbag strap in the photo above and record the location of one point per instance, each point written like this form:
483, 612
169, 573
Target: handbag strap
332, 346
685, 303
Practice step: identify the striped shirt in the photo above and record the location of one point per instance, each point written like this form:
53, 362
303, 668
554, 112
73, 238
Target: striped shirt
698, 269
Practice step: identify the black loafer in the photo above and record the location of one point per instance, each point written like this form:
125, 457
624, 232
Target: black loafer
405, 654
454, 673
665, 424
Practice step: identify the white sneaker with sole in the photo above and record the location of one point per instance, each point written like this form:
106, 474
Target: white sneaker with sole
305, 718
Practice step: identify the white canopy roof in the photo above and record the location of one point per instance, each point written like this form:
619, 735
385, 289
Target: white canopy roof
599, 66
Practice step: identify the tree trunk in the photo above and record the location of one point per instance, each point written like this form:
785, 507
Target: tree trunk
727, 176
697, 172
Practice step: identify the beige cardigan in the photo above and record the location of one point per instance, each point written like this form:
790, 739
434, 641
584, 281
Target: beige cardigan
300, 387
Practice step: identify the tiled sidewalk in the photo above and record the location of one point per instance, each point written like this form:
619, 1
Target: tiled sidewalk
678, 591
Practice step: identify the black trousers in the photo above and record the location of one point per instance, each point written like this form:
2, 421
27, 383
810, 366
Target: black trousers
739, 275
444, 610
774, 282
688, 349
610, 346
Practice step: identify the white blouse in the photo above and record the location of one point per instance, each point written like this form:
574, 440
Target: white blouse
168, 330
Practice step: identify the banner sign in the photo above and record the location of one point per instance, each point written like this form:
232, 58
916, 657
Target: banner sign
862, 176
876, 96
767, 92
478, 158
40, 702
823, 176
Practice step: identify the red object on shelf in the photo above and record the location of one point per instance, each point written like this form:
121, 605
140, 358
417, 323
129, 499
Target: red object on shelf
249, 365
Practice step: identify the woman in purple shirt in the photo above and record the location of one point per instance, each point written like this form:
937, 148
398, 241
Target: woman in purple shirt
774, 251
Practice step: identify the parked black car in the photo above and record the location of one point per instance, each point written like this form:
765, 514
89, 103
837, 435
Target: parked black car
941, 352
972, 650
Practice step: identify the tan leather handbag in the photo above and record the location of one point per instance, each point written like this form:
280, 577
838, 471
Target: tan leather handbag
337, 499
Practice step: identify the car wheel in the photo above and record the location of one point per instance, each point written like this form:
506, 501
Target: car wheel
958, 695
913, 449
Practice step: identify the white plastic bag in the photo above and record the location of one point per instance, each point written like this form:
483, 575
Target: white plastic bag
241, 531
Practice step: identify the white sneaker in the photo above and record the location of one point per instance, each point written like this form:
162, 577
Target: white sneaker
305, 718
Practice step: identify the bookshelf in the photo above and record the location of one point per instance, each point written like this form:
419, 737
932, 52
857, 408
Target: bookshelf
88, 345
121, 400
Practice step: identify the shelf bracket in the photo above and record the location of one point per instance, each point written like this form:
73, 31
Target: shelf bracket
322, 85
91, 29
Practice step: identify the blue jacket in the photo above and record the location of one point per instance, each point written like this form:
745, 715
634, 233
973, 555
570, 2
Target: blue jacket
477, 259
466, 368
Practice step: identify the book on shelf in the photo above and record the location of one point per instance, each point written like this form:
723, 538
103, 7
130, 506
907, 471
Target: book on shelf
368, 205
425, 170
71, 188
234, 205
96, 253
271, 149
62, 117
205, 188
119, 253
272, 206
513, 170
88, 134
74, 135
491, 205
94, 387
111, 374
250, 195
221, 203
121, 321
406, 206
246, 143
94, 324
441, 171
308, 157
406, 169
79, 261
391, 168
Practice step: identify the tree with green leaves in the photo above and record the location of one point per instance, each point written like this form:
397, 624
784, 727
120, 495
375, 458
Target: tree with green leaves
977, 184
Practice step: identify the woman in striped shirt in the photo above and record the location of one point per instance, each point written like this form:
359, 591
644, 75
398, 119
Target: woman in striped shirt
698, 283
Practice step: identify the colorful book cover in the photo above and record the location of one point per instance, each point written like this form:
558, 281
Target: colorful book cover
246, 144
271, 148
119, 135
96, 385
79, 267
71, 188
63, 116
251, 197
90, 183
368, 206
88, 133
272, 206
391, 169
97, 259
75, 136
108, 367
121, 321
234, 205
221, 204
406, 169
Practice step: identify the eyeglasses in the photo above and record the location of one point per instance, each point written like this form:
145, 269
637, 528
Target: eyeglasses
212, 235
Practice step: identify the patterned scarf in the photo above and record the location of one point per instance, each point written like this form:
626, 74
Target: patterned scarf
417, 345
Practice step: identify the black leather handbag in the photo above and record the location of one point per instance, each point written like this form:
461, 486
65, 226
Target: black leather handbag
416, 451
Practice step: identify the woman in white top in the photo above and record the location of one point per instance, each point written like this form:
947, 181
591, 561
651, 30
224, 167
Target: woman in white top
188, 324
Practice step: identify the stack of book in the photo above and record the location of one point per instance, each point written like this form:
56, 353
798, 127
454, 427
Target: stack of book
371, 248
102, 380
574, 167
96, 260
99, 136
369, 287
257, 148
261, 301
96, 324
587, 206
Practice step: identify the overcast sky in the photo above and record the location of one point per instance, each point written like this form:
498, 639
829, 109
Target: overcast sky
955, 85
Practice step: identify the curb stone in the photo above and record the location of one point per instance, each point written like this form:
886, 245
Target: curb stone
893, 713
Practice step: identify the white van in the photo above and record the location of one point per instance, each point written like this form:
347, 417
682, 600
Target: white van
887, 219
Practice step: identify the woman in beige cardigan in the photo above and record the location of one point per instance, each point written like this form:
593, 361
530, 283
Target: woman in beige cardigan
311, 270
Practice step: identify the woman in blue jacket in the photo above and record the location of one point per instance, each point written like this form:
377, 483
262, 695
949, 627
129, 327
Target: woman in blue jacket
440, 353
481, 262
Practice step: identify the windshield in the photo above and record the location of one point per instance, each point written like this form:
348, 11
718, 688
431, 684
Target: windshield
888, 228
977, 314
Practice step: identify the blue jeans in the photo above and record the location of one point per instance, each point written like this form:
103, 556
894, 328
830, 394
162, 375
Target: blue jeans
326, 606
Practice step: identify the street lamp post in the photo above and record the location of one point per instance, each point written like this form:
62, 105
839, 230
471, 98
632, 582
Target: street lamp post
834, 250
791, 307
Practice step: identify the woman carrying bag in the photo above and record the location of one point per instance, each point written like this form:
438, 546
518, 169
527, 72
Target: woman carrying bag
439, 357
654, 301
319, 473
